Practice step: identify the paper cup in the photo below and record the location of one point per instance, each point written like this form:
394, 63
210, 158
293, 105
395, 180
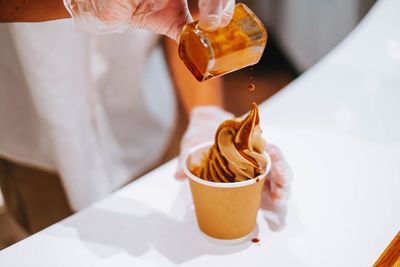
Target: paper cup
224, 210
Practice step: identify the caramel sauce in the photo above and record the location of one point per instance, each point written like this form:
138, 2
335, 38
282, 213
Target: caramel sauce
214, 166
253, 161
211, 54
251, 86
227, 48
255, 240
193, 53
244, 137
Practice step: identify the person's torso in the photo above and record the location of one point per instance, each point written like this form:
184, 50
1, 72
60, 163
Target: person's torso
96, 109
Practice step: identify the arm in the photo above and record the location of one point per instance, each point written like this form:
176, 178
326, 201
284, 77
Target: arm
32, 10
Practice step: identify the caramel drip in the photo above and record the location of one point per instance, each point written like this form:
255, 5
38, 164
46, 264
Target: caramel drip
251, 86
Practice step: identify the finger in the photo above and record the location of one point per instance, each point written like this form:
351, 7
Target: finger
273, 212
227, 14
279, 186
277, 189
276, 218
183, 17
180, 175
281, 172
210, 14
274, 152
112, 12
215, 14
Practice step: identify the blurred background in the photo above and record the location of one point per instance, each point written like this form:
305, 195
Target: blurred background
301, 32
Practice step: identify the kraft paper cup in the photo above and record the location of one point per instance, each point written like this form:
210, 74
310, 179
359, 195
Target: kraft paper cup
224, 211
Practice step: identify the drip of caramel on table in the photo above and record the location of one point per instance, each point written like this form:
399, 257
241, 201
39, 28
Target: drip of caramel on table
237, 152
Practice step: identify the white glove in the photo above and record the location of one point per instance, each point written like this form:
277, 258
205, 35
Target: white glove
108, 16
276, 190
204, 120
160, 16
215, 14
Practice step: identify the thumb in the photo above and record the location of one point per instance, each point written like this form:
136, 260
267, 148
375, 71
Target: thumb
180, 173
215, 14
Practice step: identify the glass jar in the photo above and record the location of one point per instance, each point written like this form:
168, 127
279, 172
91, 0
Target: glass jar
211, 54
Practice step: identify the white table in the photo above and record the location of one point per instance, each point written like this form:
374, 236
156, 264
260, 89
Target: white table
339, 126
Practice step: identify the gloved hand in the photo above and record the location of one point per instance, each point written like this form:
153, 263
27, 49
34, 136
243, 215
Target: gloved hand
276, 189
160, 16
202, 126
215, 14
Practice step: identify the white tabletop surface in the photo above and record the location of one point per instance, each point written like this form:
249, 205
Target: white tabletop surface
339, 127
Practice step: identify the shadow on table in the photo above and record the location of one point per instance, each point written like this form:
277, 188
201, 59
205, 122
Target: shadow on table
136, 228
120, 225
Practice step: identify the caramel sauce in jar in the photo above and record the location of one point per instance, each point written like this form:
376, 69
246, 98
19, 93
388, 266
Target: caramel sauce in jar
211, 54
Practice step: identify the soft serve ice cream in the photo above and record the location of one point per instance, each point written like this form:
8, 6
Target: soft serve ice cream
237, 153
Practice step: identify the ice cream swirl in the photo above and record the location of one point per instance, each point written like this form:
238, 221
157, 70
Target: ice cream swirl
236, 154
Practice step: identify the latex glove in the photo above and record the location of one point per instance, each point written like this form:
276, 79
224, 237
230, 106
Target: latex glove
204, 121
215, 14
108, 16
160, 16
276, 190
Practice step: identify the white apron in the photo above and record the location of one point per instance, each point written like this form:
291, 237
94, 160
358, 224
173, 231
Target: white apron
96, 109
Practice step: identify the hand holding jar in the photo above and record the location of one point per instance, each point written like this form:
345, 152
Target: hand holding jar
161, 16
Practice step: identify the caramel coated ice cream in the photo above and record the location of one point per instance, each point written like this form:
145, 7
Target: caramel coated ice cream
236, 154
